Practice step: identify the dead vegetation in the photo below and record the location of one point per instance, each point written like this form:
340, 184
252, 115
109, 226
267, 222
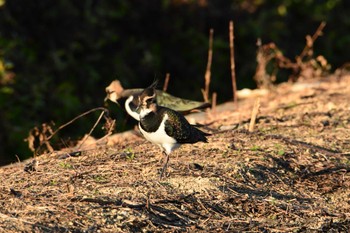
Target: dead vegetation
290, 175
304, 66
39, 138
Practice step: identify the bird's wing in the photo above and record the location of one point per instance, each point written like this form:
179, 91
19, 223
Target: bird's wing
177, 126
179, 104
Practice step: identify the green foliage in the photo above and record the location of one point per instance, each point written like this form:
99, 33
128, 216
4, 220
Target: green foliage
279, 149
130, 154
53, 182
100, 179
255, 148
65, 165
64, 53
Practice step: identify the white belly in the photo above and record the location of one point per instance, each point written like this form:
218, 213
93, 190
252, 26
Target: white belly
160, 137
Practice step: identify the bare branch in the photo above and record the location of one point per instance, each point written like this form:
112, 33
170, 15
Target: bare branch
232, 56
167, 78
254, 115
207, 76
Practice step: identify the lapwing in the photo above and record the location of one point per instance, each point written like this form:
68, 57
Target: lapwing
165, 127
115, 92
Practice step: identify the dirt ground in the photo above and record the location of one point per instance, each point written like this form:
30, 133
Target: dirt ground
290, 175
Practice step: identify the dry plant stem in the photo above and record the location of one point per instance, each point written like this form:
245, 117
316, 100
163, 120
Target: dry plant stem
167, 78
109, 133
313, 39
254, 115
18, 160
265, 53
232, 59
92, 129
48, 146
207, 76
76, 118
213, 104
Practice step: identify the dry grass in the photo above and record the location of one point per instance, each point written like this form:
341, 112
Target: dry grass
290, 175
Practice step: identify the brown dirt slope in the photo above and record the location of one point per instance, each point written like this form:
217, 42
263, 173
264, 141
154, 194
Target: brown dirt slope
290, 175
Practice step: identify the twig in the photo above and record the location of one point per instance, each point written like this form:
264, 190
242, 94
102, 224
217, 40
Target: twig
18, 159
207, 76
313, 39
202, 205
213, 103
74, 119
232, 56
92, 129
101, 201
254, 114
167, 77
265, 53
109, 127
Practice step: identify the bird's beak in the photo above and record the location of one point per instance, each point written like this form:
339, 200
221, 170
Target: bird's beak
106, 98
117, 103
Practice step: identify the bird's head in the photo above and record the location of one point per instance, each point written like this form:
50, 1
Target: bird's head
147, 100
113, 91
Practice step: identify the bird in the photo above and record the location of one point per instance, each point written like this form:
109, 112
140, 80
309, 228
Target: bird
115, 92
165, 127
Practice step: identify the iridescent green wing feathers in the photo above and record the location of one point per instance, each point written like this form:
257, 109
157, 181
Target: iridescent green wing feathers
178, 104
178, 127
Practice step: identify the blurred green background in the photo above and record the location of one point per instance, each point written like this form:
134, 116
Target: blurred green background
57, 57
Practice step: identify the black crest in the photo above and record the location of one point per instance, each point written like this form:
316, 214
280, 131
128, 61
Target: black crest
149, 95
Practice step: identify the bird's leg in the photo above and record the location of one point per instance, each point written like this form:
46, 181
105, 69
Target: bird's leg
165, 164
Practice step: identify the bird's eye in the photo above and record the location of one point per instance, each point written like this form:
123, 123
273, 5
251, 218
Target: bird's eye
149, 101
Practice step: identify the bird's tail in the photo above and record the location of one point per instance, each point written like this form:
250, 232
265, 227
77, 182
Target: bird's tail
200, 135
